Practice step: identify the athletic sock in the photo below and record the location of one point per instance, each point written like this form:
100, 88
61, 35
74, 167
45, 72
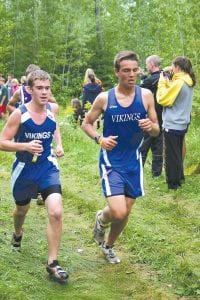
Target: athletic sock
102, 222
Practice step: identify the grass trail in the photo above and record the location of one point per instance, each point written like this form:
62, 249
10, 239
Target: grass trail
23, 274
159, 248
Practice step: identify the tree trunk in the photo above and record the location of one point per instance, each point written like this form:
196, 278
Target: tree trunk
98, 22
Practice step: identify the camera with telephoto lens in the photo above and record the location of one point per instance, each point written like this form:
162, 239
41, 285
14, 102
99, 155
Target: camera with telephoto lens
167, 73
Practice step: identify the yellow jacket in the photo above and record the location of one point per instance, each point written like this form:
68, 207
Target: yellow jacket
168, 90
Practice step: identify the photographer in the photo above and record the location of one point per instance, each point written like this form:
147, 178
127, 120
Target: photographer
176, 98
153, 143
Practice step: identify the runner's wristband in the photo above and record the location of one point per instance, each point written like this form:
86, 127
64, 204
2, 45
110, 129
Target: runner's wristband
100, 141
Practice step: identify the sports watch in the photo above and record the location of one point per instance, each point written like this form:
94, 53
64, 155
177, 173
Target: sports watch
97, 138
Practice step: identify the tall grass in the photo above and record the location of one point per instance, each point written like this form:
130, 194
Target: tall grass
159, 247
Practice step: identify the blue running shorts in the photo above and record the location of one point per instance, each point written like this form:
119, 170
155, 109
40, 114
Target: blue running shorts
29, 179
122, 182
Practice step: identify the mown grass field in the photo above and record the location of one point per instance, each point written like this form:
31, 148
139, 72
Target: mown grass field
159, 248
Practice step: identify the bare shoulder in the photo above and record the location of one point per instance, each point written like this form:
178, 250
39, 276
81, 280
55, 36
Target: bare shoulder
147, 95
147, 98
101, 100
12, 125
14, 119
146, 92
103, 96
15, 115
54, 107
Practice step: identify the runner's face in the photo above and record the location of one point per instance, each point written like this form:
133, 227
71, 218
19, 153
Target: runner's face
128, 73
41, 91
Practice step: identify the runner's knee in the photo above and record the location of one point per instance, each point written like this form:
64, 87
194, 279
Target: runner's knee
119, 215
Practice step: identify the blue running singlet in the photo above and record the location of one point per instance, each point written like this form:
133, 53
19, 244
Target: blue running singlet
123, 122
28, 177
125, 158
29, 131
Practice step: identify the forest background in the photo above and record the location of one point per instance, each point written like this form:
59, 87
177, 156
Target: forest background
65, 37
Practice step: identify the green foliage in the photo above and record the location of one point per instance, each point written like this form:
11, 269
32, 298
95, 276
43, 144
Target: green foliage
62, 37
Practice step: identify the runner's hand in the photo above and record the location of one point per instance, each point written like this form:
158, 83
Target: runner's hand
108, 143
35, 147
59, 151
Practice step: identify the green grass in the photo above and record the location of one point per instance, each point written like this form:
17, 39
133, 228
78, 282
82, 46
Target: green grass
159, 248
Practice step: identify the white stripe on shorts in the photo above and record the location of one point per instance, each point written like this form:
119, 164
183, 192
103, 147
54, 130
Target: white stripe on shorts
137, 150
17, 171
139, 156
141, 175
105, 156
105, 177
54, 161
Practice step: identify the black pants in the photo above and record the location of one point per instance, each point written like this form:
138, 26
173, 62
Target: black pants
156, 146
173, 159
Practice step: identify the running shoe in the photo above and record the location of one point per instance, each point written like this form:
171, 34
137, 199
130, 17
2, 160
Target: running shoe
110, 254
56, 271
40, 200
16, 242
99, 230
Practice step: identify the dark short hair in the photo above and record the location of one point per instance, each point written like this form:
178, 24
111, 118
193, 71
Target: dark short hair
37, 75
124, 55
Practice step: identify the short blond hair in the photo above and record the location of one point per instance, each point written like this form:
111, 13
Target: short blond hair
37, 75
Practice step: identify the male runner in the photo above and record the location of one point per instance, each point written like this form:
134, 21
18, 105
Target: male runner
35, 169
128, 111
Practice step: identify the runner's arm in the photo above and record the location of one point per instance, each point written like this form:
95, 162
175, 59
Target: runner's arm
13, 100
57, 136
98, 107
9, 131
150, 124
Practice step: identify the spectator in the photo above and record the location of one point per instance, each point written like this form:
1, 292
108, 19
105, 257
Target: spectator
23, 80
150, 142
3, 98
176, 97
9, 86
78, 113
92, 86
15, 85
